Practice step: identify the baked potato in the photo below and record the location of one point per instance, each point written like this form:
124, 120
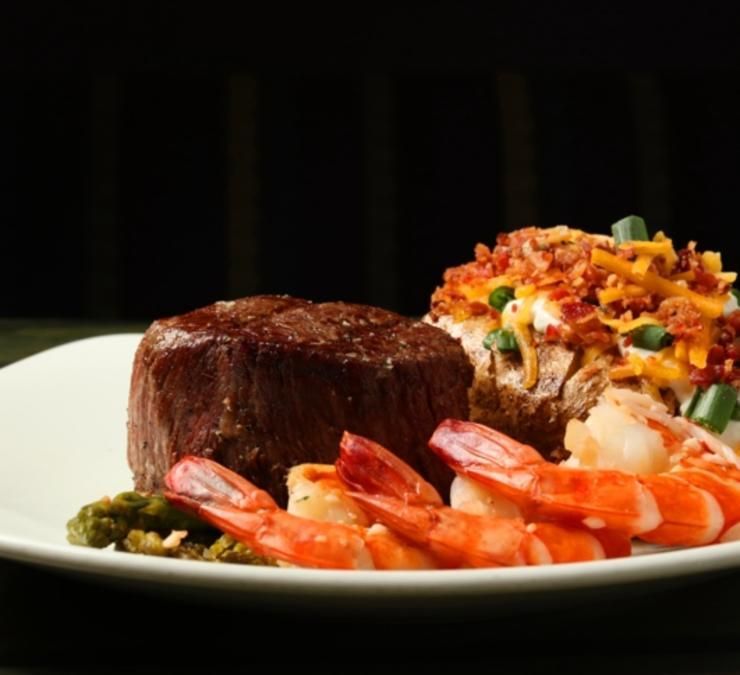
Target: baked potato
550, 317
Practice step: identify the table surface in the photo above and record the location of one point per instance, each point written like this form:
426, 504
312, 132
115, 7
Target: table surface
49, 619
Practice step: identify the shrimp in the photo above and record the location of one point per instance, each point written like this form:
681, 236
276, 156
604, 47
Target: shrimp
391, 491
315, 492
634, 432
234, 505
696, 502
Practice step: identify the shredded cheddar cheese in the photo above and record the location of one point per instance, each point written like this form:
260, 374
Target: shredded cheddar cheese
659, 373
670, 257
712, 261
627, 326
654, 283
651, 248
609, 295
699, 349
525, 291
683, 276
641, 264
528, 352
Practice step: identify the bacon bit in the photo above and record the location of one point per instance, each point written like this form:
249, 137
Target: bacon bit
479, 309
574, 312
716, 355
553, 334
705, 282
704, 377
723, 358
559, 294
680, 317
627, 252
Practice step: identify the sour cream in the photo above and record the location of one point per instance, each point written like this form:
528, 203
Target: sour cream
544, 313
730, 306
626, 350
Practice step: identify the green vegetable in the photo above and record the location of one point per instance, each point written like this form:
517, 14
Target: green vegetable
698, 393
736, 293
224, 549
736, 413
716, 407
108, 521
500, 296
504, 339
631, 228
651, 337
140, 524
227, 549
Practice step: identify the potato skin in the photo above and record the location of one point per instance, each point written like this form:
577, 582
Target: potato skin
565, 389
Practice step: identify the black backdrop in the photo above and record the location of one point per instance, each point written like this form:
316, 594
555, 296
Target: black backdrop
155, 158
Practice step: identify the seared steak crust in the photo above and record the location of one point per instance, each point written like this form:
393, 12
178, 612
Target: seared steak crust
263, 383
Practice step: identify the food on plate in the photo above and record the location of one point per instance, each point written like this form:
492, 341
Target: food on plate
234, 505
552, 316
331, 524
264, 383
394, 495
150, 525
691, 500
615, 357
108, 521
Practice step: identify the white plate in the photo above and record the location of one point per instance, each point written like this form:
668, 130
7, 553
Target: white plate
62, 444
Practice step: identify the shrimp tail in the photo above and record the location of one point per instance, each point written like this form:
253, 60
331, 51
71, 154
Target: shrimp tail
598, 499
232, 504
366, 466
206, 481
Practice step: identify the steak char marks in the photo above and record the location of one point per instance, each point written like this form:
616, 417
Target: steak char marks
263, 383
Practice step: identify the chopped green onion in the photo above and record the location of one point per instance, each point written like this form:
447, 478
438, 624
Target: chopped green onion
715, 409
631, 228
651, 337
698, 393
500, 297
504, 339
490, 339
736, 293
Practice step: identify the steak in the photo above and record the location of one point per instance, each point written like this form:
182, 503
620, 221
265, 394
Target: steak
264, 383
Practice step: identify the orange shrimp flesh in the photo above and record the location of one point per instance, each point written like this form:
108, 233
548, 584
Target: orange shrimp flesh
315, 492
234, 505
456, 537
672, 508
459, 539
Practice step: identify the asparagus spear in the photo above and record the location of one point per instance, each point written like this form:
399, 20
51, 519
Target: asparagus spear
224, 549
136, 523
108, 521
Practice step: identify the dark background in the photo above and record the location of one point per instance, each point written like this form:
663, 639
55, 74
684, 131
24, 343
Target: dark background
154, 158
